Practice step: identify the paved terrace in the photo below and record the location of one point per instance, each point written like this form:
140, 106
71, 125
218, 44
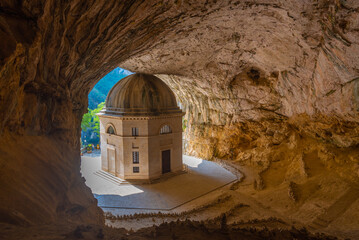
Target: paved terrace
202, 178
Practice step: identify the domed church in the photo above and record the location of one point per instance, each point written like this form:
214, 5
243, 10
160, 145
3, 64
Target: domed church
141, 129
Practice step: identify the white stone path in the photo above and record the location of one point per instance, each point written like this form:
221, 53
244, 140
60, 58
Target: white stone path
203, 177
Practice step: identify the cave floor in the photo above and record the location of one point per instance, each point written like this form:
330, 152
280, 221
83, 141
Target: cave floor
326, 203
203, 177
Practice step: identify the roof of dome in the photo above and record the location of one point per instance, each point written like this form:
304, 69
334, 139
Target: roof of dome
140, 95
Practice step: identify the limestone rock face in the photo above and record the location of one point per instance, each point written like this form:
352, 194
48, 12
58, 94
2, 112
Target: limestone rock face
281, 58
242, 70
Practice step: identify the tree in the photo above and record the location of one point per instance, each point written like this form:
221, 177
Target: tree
90, 120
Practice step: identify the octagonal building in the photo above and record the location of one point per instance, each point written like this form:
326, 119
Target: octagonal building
141, 129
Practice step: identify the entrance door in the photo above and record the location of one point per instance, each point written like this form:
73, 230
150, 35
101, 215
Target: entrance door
166, 161
111, 156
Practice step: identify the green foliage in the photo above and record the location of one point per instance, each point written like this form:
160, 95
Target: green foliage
184, 124
86, 121
91, 121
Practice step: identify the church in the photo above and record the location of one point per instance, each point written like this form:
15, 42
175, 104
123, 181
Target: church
141, 129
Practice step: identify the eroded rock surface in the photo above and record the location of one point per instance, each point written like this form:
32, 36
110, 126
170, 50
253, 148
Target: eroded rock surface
262, 82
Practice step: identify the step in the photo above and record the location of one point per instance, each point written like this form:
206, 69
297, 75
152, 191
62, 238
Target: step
110, 177
115, 179
107, 178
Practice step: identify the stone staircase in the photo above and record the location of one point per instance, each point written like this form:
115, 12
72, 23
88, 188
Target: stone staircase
110, 177
335, 210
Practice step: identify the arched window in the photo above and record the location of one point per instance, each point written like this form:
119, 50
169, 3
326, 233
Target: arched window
110, 130
165, 129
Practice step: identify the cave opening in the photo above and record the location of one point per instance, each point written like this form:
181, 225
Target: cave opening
180, 187
90, 125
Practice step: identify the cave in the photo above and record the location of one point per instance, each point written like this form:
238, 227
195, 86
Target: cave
270, 89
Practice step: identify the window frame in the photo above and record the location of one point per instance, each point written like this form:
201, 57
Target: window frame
135, 157
137, 169
135, 132
165, 129
110, 126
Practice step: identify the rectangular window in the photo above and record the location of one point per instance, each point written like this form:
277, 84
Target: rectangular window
136, 169
135, 157
134, 131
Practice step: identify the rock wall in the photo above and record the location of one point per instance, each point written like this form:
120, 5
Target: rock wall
267, 81
253, 60
320, 141
242, 70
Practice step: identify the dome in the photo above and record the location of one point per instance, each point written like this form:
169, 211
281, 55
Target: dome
140, 95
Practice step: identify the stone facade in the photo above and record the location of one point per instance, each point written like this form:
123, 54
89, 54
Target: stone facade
141, 129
